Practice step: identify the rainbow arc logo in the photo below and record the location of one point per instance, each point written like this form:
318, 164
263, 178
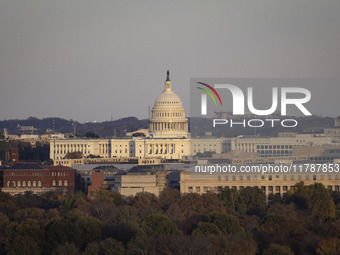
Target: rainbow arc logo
209, 93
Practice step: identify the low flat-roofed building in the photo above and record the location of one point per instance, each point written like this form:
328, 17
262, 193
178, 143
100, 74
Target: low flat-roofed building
271, 182
131, 184
137, 181
277, 146
320, 154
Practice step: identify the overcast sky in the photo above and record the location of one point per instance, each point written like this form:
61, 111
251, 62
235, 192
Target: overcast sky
90, 60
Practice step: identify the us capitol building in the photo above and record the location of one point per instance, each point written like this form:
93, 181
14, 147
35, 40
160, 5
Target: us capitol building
167, 138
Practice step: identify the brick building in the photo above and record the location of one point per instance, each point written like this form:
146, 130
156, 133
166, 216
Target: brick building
38, 179
97, 181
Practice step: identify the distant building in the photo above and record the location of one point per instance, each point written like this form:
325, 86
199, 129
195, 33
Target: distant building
141, 181
277, 146
337, 122
14, 156
97, 181
269, 183
39, 179
167, 138
333, 132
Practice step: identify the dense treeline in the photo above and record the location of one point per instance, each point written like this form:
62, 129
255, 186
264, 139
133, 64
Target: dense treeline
231, 222
104, 129
39, 152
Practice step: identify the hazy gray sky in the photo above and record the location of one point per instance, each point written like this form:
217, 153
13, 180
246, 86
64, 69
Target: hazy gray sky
90, 60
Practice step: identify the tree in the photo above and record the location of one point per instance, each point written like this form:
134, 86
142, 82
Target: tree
91, 134
271, 223
318, 187
195, 204
322, 206
24, 238
232, 200
300, 195
123, 232
111, 246
167, 197
60, 231
109, 197
73, 155
159, 225
329, 246
255, 200
24, 245
91, 249
3, 224
142, 199
206, 229
28, 199
232, 245
276, 249
90, 230
66, 249
29, 213
181, 244
227, 224
50, 162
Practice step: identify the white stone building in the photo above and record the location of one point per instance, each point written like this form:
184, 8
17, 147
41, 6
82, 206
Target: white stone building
168, 136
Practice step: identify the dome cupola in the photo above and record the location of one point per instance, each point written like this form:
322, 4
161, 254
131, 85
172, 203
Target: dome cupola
168, 114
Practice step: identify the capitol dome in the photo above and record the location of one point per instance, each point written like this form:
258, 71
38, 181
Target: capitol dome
168, 115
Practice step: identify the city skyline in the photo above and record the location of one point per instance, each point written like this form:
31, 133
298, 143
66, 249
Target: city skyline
93, 61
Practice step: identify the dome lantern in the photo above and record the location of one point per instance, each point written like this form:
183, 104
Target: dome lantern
168, 115
168, 82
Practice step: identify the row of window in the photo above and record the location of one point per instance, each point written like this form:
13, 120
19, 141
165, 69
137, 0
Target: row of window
35, 183
159, 126
168, 114
26, 173
60, 174
169, 102
269, 189
72, 145
273, 146
68, 151
37, 174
